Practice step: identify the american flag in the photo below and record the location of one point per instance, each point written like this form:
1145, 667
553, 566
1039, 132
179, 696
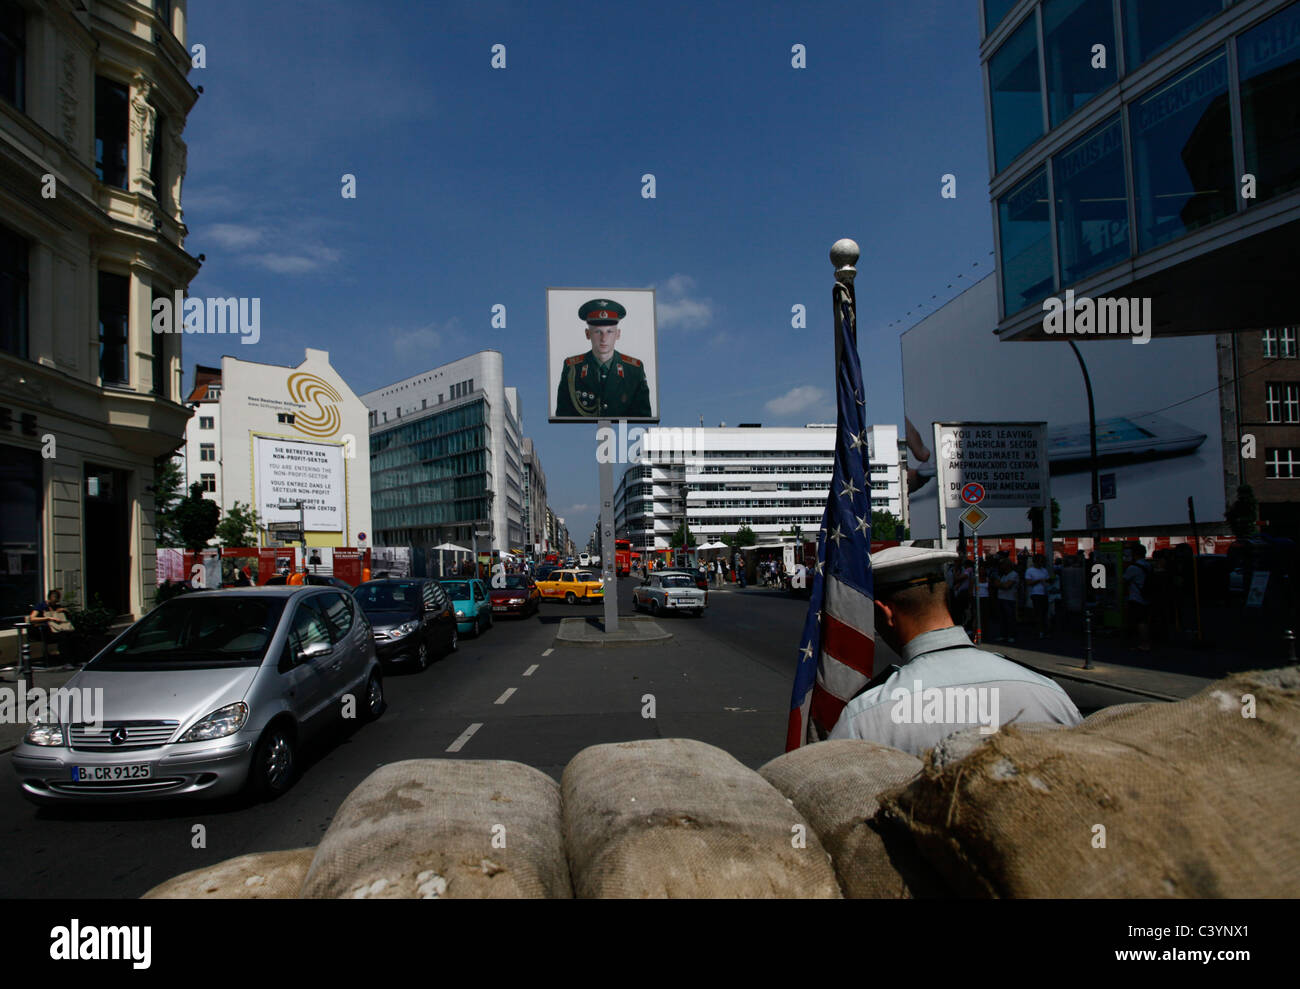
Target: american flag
837, 648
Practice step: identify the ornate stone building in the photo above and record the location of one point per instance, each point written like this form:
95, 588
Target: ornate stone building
93, 102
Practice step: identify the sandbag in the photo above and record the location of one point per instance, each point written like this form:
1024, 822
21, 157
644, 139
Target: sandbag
434, 828
836, 786
260, 876
678, 818
1187, 799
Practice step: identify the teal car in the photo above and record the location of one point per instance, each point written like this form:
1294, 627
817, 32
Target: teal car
469, 597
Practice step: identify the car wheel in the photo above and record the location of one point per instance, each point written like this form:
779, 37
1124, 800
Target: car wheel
473, 630
636, 605
699, 612
422, 656
274, 763
654, 607
454, 643
372, 705
569, 597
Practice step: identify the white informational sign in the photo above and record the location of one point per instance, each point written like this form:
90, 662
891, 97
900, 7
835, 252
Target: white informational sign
291, 471
1007, 459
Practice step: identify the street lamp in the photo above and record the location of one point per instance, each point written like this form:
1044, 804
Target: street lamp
1096, 500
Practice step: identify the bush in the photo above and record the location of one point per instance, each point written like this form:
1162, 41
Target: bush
95, 620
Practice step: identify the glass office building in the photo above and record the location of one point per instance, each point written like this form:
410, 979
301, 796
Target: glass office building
1145, 149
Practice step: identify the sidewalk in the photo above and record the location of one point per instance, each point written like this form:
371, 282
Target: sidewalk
12, 734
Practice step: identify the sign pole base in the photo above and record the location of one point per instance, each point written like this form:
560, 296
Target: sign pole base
608, 564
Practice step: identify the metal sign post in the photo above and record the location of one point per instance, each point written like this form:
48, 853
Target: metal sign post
607, 563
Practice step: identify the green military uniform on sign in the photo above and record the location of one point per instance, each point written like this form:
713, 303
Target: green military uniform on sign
617, 390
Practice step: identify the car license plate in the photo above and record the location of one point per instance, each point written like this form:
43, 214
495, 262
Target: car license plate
498, 607
85, 774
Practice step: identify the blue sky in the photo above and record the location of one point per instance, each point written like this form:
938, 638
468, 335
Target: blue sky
478, 186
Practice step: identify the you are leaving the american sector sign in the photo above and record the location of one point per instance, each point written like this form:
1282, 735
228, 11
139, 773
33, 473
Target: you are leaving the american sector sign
1008, 458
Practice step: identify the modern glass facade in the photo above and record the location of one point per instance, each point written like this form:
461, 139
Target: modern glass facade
430, 472
1106, 155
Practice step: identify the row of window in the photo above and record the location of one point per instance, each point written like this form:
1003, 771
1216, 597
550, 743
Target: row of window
440, 513
1280, 342
1282, 464
1025, 106
474, 414
1177, 140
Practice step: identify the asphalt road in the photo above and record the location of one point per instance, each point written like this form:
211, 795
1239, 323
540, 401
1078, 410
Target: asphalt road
724, 678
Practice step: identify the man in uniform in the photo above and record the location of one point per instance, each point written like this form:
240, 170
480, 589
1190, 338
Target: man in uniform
602, 383
913, 618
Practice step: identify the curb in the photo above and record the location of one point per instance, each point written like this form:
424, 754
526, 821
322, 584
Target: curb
584, 643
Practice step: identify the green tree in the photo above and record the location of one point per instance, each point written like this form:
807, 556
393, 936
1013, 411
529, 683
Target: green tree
238, 527
683, 537
887, 526
1243, 514
196, 519
745, 537
168, 483
1035, 516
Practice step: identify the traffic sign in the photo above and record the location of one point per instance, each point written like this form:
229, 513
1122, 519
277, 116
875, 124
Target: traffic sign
1107, 484
1095, 516
974, 517
288, 535
972, 493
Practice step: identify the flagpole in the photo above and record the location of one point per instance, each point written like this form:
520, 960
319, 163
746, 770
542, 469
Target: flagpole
844, 256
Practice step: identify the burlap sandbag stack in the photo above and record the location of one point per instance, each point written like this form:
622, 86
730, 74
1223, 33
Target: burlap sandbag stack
260, 876
837, 786
444, 828
1199, 798
678, 818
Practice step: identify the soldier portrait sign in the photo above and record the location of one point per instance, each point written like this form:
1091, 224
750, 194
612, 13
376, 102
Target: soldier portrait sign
602, 355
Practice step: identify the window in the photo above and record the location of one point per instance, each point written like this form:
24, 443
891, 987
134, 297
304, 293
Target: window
111, 109
163, 8
1280, 343
114, 320
1282, 401
1070, 30
1268, 60
1092, 230
206, 422
1149, 25
1015, 88
156, 162
1026, 243
1282, 464
994, 11
13, 293
207, 451
214, 391
308, 628
13, 54
1182, 153
209, 482
21, 501
287, 417
159, 386
338, 613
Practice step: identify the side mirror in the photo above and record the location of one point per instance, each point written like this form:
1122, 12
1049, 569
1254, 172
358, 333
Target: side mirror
314, 650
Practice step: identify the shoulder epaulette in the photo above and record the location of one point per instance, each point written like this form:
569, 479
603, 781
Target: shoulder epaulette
630, 360
576, 360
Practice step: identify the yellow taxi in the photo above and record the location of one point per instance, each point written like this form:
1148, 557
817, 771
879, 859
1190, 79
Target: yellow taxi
572, 585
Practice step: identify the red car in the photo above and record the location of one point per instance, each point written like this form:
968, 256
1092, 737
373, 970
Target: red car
519, 597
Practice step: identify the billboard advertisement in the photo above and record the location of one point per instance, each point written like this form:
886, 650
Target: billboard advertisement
602, 354
1157, 407
290, 471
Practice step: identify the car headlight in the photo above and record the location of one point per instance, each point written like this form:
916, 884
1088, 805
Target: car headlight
406, 628
44, 734
220, 723
459, 613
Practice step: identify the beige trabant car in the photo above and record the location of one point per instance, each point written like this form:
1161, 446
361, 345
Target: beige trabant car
670, 590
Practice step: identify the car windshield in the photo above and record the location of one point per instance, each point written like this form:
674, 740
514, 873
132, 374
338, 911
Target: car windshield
516, 582
457, 590
584, 575
677, 580
201, 630
394, 595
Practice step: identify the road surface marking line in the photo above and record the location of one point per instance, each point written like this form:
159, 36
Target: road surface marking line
548, 652
529, 672
506, 696
465, 736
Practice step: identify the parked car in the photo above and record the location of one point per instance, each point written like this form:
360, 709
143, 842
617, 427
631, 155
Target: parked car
324, 580
572, 586
469, 598
412, 619
584, 559
205, 695
519, 597
670, 590
544, 571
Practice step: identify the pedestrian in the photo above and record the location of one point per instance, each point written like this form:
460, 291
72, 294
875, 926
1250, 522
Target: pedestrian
1008, 587
912, 618
1036, 578
1135, 579
49, 620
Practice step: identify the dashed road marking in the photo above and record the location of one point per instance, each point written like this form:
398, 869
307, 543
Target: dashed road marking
506, 696
548, 652
465, 736
529, 672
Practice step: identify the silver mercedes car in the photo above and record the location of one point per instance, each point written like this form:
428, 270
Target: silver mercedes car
206, 695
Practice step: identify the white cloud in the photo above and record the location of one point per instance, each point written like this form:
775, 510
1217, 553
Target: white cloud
233, 236
795, 400
675, 306
301, 262
417, 345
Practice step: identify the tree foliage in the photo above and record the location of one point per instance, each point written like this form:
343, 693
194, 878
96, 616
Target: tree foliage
238, 527
887, 526
196, 519
1243, 514
168, 484
683, 537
